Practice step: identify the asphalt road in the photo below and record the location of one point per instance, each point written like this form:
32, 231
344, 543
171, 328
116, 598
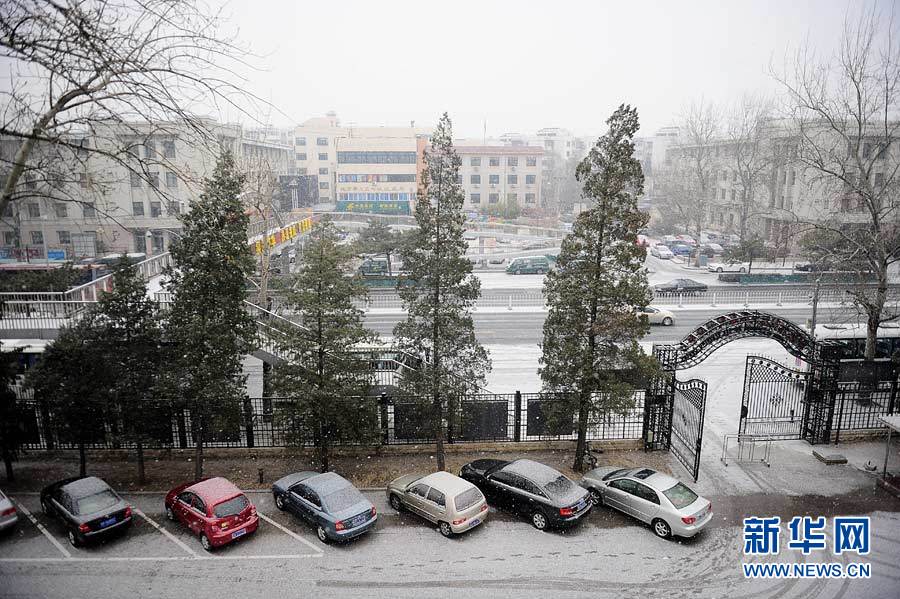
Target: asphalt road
609, 555
516, 327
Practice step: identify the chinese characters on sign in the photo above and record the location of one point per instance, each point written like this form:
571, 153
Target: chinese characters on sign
807, 534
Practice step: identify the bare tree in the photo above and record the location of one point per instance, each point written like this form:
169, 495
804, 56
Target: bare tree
94, 79
261, 187
749, 149
843, 115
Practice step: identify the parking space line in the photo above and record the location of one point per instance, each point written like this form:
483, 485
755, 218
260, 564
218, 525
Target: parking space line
290, 533
41, 528
170, 558
171, 537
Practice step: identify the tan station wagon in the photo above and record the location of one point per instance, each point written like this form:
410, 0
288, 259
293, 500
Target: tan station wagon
452, 503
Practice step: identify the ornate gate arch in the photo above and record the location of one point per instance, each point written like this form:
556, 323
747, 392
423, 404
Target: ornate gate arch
671, 401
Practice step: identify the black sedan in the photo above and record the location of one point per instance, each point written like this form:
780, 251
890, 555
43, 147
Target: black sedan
537, 491
87, 507
680, 286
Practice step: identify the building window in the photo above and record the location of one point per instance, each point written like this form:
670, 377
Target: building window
459, 179
83, 180
37, 238
321, 141
475, 179
512, 179
9, 237
301, 171
721, 194
531, 161
493, 198
512, 161
301, 156
878, 181
65, 238
732, 195
323, 184
475, 161
530, 179
169, 149
154, 180
323, 155
155, 209
529, 198
494, 179
171, 179
494, 161
135, 179
34, 210
88, 210
149, 149
376, 158
323, 170
29, 182
512, 197
300, 141
137, 208
475, 198
62, 211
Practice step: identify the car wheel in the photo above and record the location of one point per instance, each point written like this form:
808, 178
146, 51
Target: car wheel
74, 541
204, 542
279, 502
445, 529
539, 520
323, 536
170, 515
743, 270
662, 529
719, 269
395, 503
596, 497
667, 321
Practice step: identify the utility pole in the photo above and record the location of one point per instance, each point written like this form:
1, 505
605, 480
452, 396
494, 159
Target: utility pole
815, 308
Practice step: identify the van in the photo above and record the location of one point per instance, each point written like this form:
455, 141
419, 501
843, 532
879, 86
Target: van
529, 265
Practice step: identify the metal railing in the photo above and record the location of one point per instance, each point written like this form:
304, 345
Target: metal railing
40, 315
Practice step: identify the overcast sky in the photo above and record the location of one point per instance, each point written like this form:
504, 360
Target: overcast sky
520, 66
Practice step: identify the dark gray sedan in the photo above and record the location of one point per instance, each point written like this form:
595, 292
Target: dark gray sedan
327, 501
87, 507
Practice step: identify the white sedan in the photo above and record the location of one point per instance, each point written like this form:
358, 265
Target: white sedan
658, 316
661, 252
728, 266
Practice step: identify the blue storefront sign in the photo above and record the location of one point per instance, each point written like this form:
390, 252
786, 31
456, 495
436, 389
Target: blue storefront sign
56, 254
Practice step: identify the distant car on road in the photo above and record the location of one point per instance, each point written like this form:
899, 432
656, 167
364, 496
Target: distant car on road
544, 495
452, 503
529, 265
730, 266
662, 252
658, 316
87, 507
8, 514
327, 501
681, 249
214, 509
680, 286
667, 505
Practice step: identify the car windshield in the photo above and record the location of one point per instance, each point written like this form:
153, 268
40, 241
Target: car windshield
615, 473
560, 486
342, 499
680, 496
96, 502
467, 499
231, 507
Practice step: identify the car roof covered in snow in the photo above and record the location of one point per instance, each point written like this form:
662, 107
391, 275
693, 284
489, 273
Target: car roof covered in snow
446, 482
84, 487
214, 490
326, 483
536, 472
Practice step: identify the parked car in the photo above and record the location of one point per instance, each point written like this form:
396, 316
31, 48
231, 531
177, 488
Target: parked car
87, 507
452, 503
667, 505
8, 514
680, 286
681, 249
667, 239
711, 248
529, 265
662, 252
327, 501
658, 316
496, 260
686, 239
214, 509
544, 495
730, 266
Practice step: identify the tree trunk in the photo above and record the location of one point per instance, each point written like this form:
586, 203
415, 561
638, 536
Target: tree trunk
874, 310
82, 459
7, 463
142, 477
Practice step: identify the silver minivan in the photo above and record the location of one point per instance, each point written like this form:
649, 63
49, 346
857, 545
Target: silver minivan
454, 504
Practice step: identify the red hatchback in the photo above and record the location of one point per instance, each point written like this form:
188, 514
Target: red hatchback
214, 509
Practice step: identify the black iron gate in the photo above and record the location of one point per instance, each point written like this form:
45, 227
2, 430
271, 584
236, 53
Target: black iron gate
686, 433
775, 403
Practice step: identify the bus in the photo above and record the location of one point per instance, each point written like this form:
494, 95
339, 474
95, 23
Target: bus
851, 338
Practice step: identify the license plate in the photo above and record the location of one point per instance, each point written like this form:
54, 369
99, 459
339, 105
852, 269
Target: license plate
474, 523
358, 521
238, 533
107, 522
580, 506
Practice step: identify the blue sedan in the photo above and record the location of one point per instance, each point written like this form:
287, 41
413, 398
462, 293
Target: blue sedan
327, 501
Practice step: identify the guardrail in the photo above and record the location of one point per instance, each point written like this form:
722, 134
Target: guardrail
40, 315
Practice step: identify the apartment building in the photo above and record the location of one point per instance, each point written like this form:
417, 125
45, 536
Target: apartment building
129, 204
495, 177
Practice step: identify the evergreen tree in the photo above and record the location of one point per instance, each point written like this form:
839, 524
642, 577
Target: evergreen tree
207, 326
10, 410
439, 302
379, 238
590, 346
325, 377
